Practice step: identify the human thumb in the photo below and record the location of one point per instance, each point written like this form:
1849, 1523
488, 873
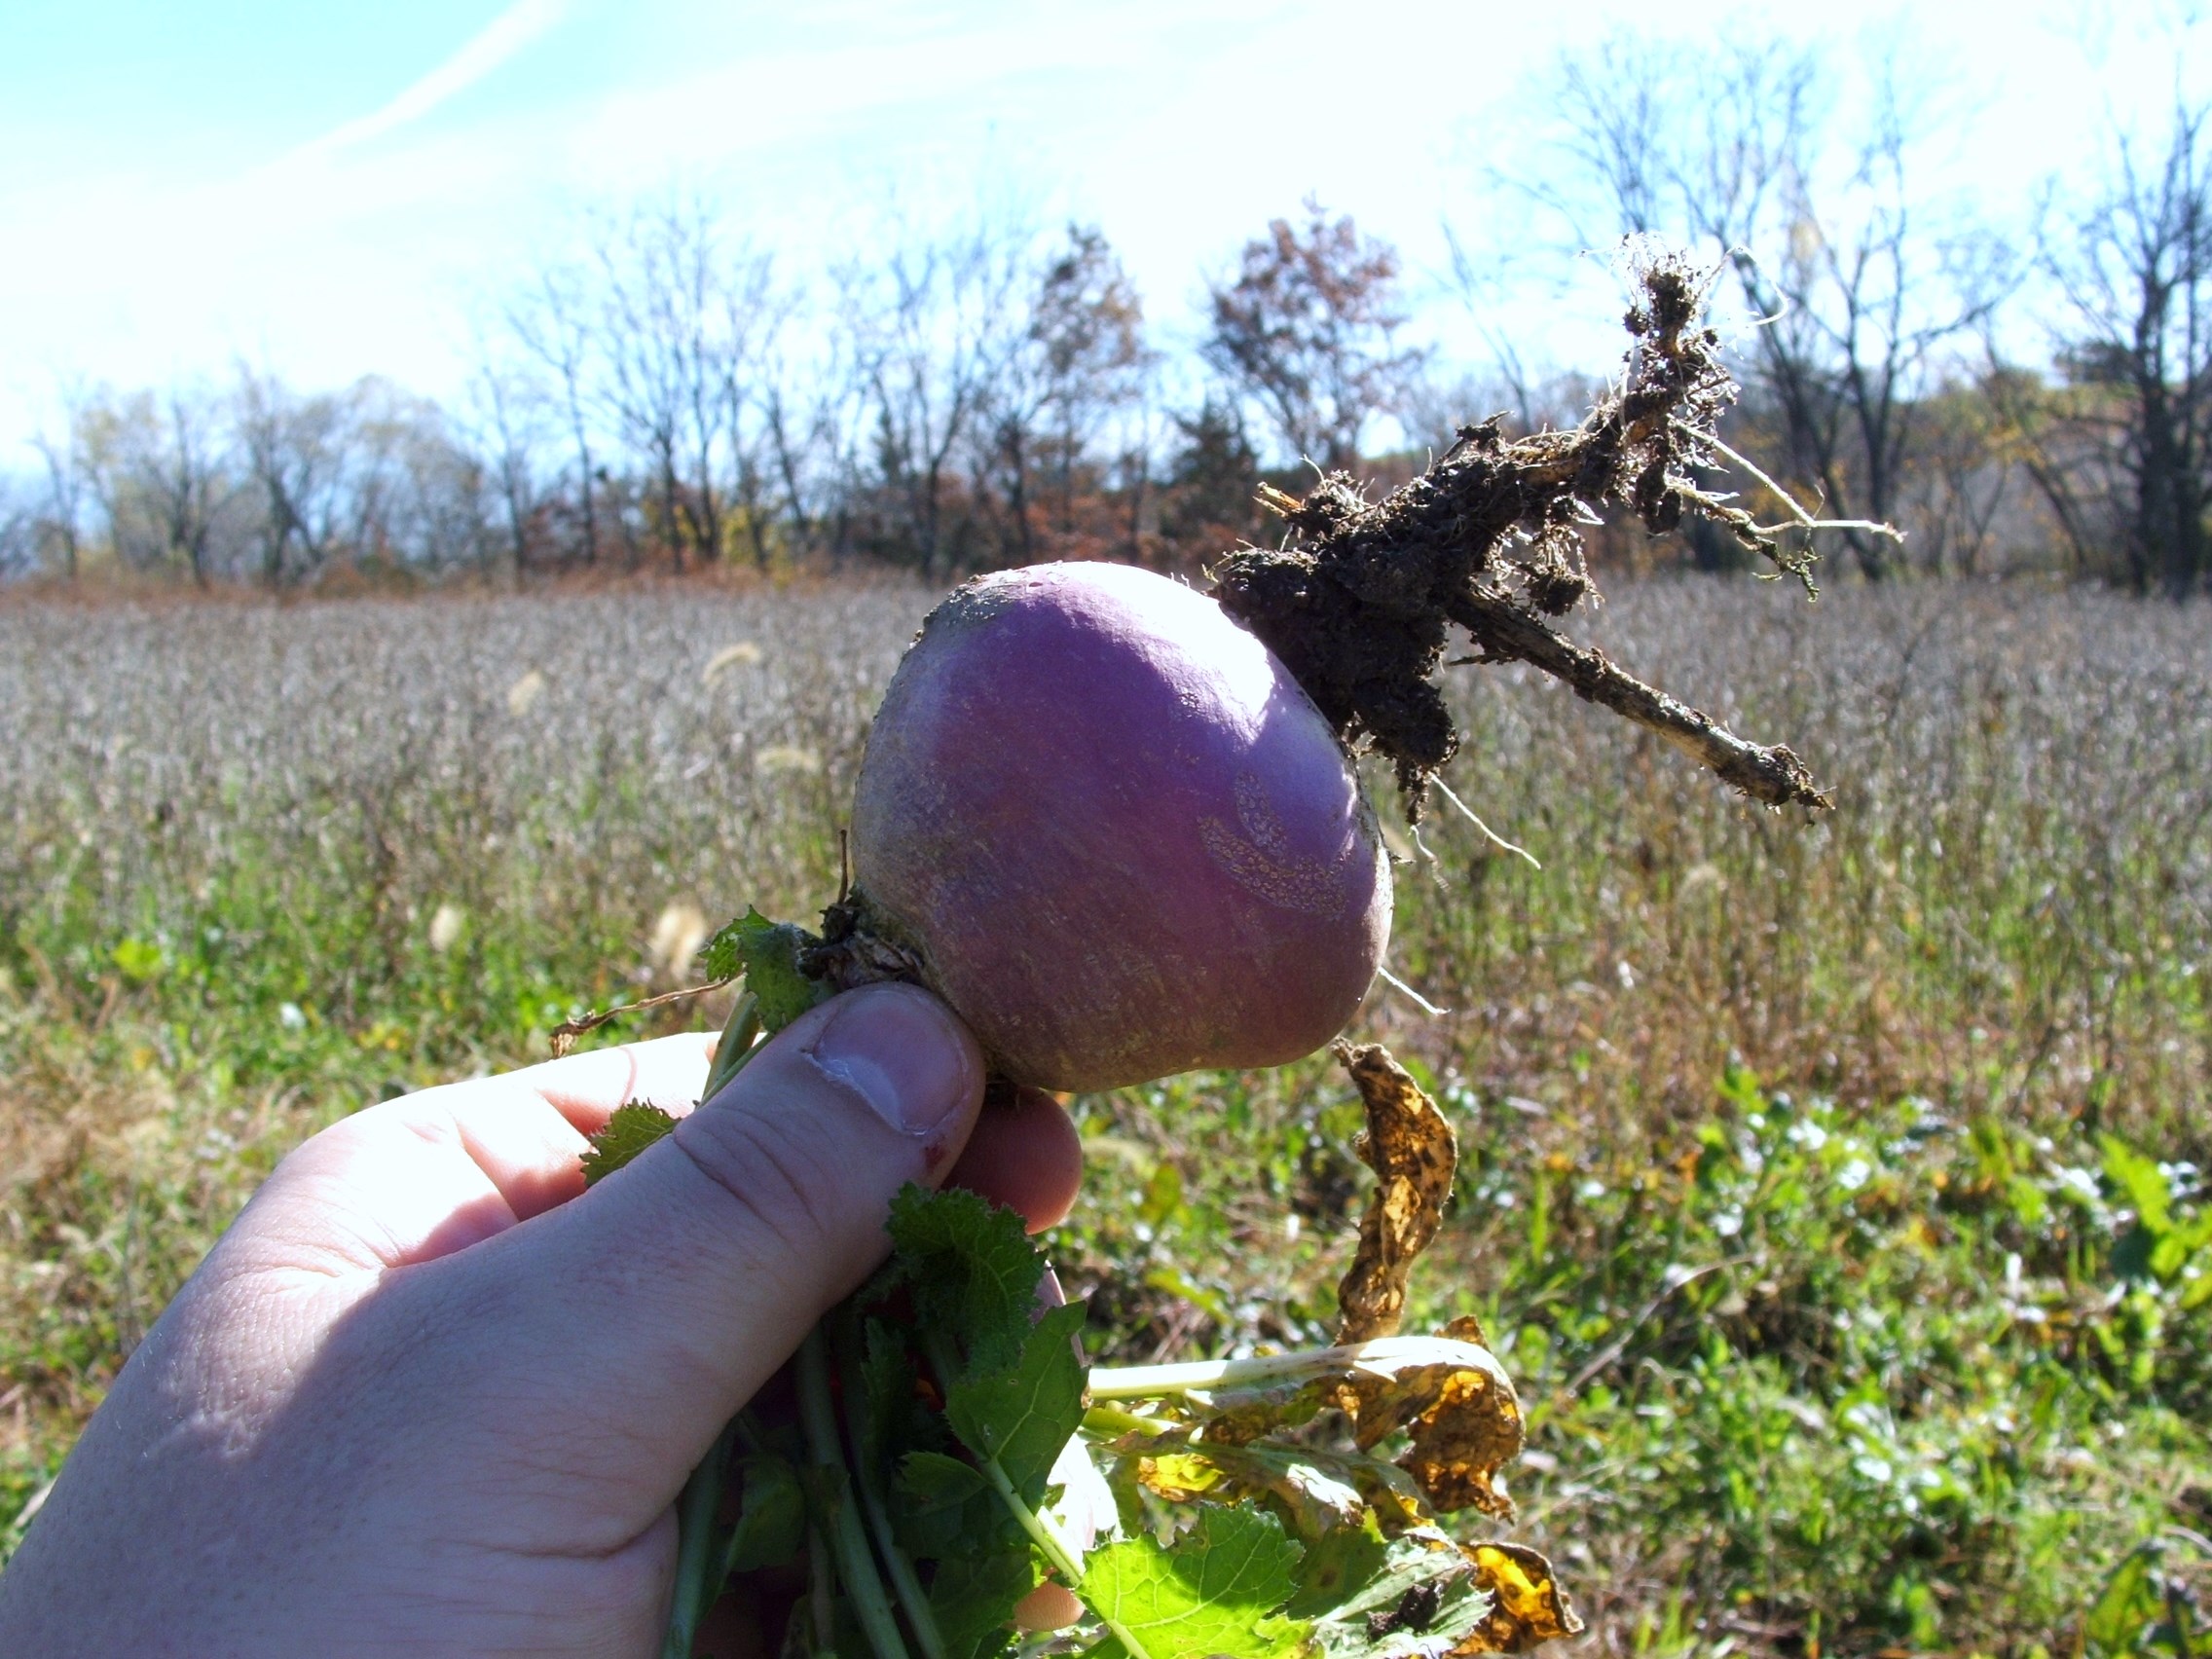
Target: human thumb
667, 1293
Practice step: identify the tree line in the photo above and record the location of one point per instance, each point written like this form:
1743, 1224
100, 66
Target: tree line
665, 393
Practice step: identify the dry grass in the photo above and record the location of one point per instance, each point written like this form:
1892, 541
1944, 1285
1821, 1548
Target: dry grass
231, 832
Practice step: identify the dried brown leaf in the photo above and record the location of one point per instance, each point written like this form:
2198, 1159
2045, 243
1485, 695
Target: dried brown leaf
1461, 1414
1461, 1443
1412, 1152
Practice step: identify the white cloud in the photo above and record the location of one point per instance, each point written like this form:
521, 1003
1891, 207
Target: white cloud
484, 51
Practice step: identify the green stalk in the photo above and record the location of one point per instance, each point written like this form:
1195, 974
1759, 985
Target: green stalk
1384, 1355
1112, 1422
912, 1598
856, 1567
695, 1555
739, 1035
695, 1581
820, 1592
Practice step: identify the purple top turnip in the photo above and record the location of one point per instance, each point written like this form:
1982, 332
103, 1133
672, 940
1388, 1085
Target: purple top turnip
1121, 840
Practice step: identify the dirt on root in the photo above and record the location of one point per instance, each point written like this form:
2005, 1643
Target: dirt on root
1361, 599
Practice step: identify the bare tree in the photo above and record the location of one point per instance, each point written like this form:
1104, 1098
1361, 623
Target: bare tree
550, 323
502, 419
1866, 292
935, 324
293, 449
59, 528
810, 403
682, 329
2136, 268
1307, 328
18, 531
158, 466
1077, 357
1086, 328
409, 495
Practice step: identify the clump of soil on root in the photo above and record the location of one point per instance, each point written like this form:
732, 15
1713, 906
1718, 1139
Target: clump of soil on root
1359, 599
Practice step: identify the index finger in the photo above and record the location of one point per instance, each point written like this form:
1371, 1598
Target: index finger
431, 1172
586, 1088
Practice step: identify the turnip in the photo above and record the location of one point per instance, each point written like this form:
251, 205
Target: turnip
1115, 835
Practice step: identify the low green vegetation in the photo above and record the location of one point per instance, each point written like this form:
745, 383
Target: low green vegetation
1830, 1189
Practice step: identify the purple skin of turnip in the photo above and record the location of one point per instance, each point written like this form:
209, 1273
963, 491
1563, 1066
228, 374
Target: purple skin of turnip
1120, 839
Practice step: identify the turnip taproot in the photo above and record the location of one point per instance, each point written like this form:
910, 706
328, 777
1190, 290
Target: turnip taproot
1115, 834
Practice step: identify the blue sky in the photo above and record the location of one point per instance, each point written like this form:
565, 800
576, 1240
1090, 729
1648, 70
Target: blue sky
324, 185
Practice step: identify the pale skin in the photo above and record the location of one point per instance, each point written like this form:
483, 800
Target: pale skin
429, 1396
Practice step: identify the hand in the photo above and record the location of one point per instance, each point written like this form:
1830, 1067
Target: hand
430, 1397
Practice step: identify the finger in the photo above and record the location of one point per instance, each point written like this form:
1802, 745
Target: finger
527, 1131
618, 1333
427, 1175
586, 1088
1026, 1155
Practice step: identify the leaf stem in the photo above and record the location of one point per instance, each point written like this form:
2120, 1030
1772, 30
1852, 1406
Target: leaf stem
695, 1550
912, 1598
1114, 1423
856, 1567
739, 1035
820, 1591
1383, 1353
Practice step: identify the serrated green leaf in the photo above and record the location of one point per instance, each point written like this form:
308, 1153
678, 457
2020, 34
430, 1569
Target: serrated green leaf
768, 954
771, 1520
973, 1271
945, 1510
1213, 1592
628, 1132
1423, 1596
1023, 1414
890, 1414
971, 1599
930, 1479
1338, 1565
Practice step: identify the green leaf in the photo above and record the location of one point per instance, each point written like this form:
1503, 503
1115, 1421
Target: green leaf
1023, 1414
945, 1510
1337, 1566
2129, 1605
1213, 1592
771, 1520
888, 1415
768, 954
1421, 1596
973, 1598
139, 959
933, 1481
972, 1268
2144, 1183
628, 1132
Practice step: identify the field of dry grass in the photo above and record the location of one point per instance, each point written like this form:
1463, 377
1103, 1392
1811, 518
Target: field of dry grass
259, 866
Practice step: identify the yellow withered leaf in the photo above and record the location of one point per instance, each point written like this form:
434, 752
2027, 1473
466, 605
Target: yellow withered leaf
1179, 1477
1526, 1604
1412, 1152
